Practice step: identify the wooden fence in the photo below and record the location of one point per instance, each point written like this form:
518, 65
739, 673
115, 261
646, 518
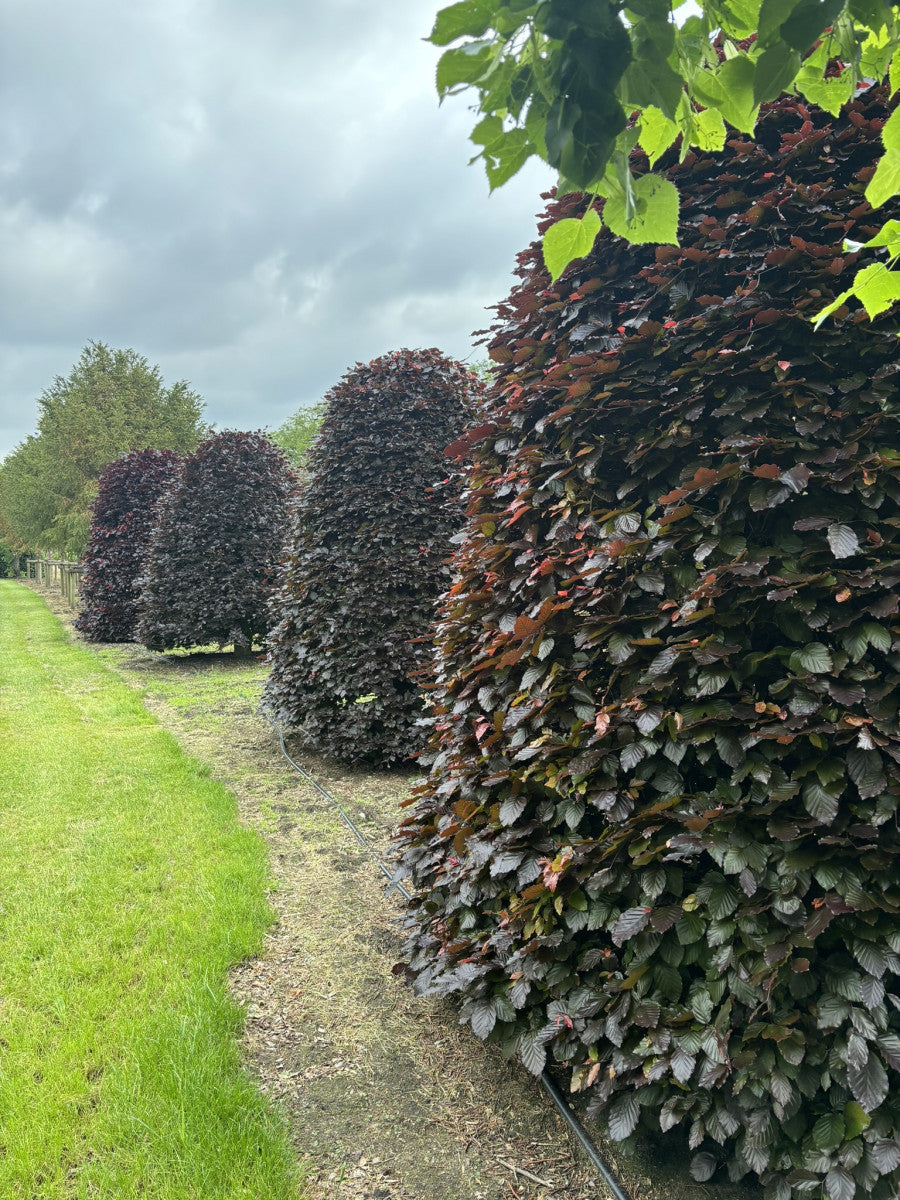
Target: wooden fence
57, 573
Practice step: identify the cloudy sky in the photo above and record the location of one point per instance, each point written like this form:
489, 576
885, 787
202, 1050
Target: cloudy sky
254, 194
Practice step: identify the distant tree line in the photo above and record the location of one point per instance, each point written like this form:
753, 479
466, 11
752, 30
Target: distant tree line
111, 403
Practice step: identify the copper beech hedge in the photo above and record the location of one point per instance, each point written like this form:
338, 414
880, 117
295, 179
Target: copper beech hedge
658, 844
213, 557
123, 517
368, 558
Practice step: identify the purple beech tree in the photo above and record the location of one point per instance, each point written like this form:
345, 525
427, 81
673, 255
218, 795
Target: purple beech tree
368, 557
123, 517
659, 841
214, 553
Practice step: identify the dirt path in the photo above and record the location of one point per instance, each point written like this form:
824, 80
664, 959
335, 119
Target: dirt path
389, 1098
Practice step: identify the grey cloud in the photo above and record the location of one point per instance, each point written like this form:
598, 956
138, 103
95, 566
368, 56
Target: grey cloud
255, 197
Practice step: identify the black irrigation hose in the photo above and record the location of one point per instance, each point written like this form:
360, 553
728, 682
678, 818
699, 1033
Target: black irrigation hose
550, 1085
552, 1090
348, 820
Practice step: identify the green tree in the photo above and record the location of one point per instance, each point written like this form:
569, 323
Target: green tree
297, 434
112, 401
580, 83
26, 506
12, 547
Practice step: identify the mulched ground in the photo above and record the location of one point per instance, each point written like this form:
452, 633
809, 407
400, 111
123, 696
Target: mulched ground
387, 1096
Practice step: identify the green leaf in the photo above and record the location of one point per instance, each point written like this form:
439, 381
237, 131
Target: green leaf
886, 180
470, 18
462, 65
855, 643
820, 803
657, 133
569, 239
876, 52
505, 158
815, 658
876, 286
831, 94
856, 1119
877, 636
707, 130
808, 20
872, 13
894, 74
738, 17
835, 304
890, 133
772, 15
729, 90
656, 212
888, 235
828, 1131
650, 80
505, 150
690, 928
775, 71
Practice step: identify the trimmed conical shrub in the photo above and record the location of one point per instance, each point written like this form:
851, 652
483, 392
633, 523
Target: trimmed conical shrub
659, 841
122, 520
213, 555
372, 535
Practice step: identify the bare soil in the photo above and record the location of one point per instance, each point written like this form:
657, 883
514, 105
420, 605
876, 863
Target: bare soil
388, 1098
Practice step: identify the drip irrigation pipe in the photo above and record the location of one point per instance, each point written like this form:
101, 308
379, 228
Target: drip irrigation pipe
552, 1090
547, 1080
348, 820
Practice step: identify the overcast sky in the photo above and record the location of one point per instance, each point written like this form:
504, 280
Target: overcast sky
254, 194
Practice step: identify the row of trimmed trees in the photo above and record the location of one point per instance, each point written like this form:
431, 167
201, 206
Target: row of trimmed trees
658, 842
181, 552
339, 578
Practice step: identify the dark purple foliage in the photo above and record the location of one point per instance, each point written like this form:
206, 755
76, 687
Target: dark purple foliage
659, 842
221, 531
368, 559
122, 519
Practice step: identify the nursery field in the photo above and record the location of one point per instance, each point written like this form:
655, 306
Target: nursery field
385, 1096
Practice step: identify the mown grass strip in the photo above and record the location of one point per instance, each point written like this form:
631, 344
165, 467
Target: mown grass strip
127, 888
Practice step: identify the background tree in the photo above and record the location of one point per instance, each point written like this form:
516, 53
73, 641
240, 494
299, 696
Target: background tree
27, 507
112, 401
10, 560
367, 559
578, 82
297, 434
659, 843
213, 555
123, 518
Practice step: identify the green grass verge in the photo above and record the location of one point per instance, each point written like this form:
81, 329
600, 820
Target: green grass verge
127, 888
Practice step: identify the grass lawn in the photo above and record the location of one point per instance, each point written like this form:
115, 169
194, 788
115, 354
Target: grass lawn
127, 888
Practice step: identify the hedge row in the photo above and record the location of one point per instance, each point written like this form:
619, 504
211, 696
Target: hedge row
659, 843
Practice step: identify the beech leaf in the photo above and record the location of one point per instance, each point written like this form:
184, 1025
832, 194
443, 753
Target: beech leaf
842, 540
